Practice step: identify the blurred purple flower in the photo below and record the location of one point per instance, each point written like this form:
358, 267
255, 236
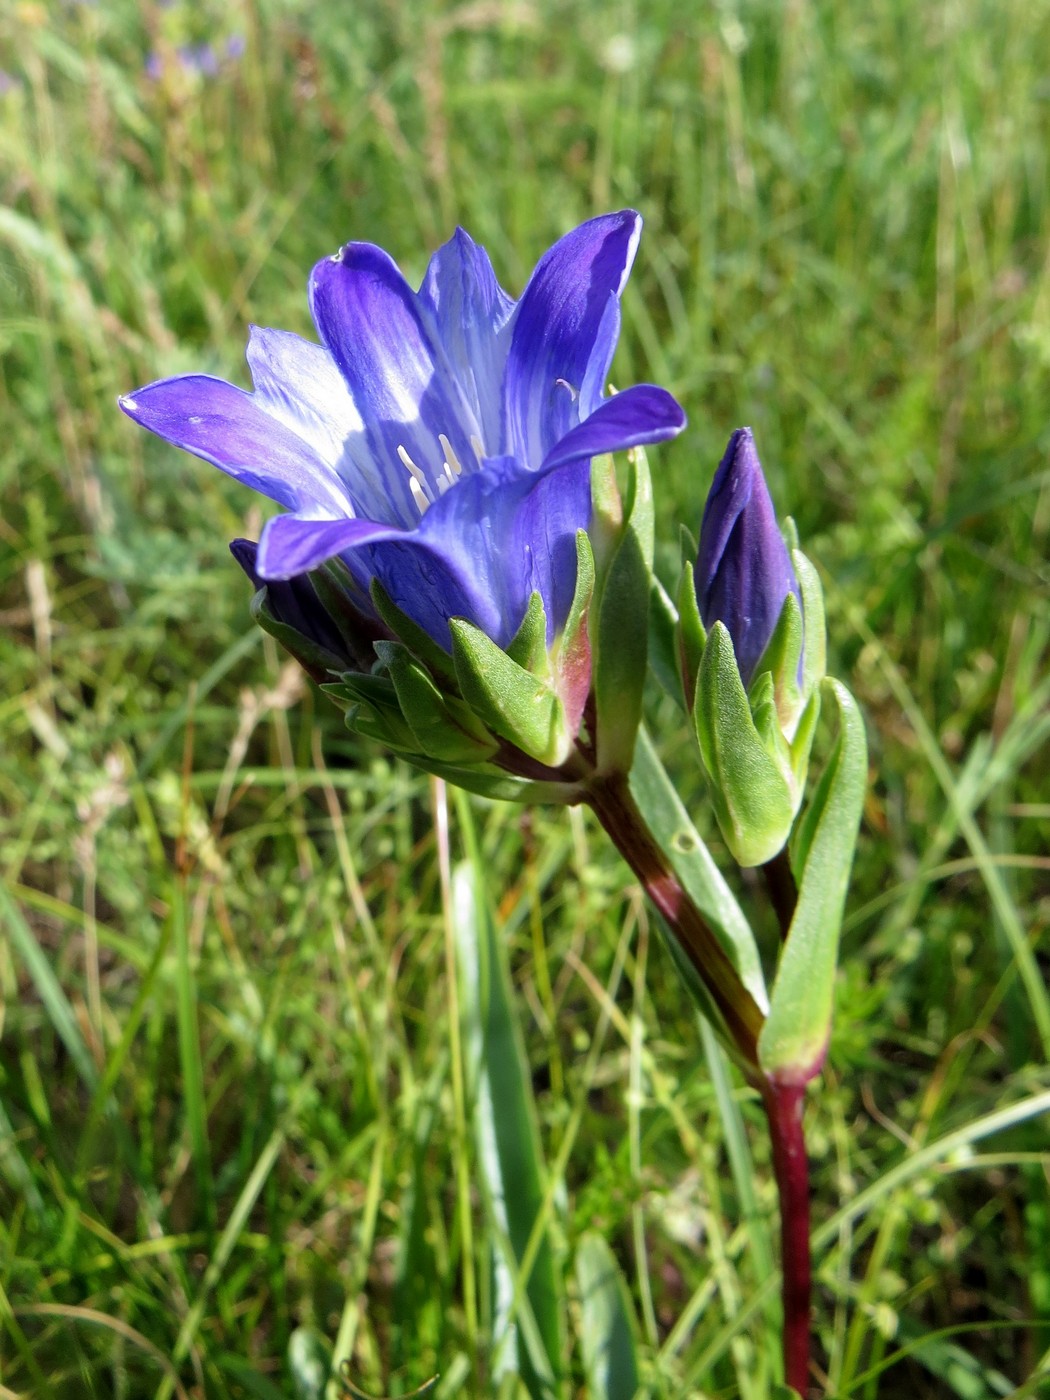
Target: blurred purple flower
202, 59
743, 570
438, 441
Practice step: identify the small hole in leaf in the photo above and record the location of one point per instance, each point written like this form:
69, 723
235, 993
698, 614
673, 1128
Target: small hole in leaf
684, 841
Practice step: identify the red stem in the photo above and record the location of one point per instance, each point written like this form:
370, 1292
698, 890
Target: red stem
784, 1110
618, 812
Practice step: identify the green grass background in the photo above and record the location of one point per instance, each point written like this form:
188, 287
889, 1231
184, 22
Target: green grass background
236, 1123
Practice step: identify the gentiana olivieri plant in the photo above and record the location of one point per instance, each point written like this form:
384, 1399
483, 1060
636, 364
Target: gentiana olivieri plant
458, 565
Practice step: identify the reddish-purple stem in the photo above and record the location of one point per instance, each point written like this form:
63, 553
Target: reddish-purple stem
784, 1110
616, 809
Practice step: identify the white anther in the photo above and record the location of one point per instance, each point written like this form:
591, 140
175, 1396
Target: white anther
478, 446
418, 495
573, 391
415, 472
452, 462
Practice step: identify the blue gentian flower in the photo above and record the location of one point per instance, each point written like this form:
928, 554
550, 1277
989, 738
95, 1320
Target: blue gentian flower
743, 569
437, 441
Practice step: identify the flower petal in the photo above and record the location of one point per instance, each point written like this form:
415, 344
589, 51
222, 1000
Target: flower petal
564, 332
743, 569
470, 309
231, 429
299, 383
486, 546
643, 413
294, 603
295, 544
378, 332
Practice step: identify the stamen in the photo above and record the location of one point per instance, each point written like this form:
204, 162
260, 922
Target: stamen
452, 462
448, 478
417, 482
421, 499
574, 393
478, 446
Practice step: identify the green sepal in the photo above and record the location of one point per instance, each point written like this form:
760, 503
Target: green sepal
337, 589
419, 642
385, 726
692, 636
620, 622
443, 725
506, 699
367, 687
315, 659
371, 708
688, 544
606, 511
571, 653
803, 740
762, 700
529, 645
780, 660
752, 798
814, 658
486, 780
794, 1039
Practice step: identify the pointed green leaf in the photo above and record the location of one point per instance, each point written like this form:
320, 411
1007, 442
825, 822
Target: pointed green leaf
803, 740
445, 728
347, 606
608, 1327
751, 797
420, 643
315, 659
667, 819
529, 646
382, 726
529, 1306
663, 642
620, 624
506, 699
780, 659
814, 658
763, 701
571, 654
692, 638
794, 1039
487, 780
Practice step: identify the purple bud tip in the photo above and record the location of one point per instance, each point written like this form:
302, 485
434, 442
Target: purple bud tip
743, 570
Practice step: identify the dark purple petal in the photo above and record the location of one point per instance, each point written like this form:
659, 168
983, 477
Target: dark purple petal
378, 333
294, 602
230, 429
565, 330
641, 414
743, 568
470, 311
